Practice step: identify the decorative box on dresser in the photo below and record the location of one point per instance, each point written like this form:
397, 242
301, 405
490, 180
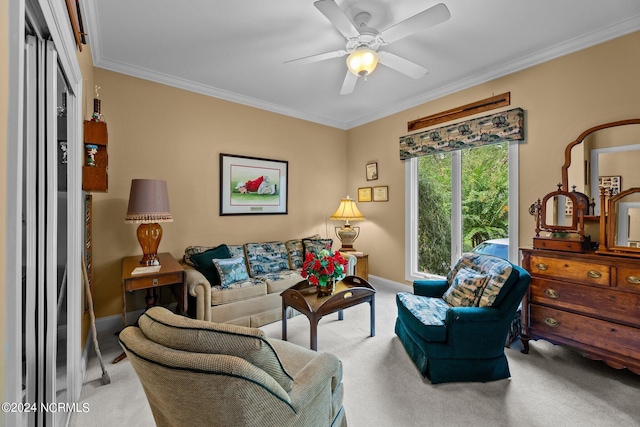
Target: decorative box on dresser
588, 301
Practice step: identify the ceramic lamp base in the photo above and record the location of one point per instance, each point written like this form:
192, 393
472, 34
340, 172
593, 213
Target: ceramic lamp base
149, 236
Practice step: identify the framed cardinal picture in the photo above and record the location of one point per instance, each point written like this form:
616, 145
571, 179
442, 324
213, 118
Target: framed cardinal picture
253, 186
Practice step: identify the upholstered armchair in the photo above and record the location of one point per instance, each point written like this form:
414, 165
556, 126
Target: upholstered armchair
198, 373
454, 329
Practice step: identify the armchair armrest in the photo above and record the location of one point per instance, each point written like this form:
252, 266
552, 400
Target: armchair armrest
480, 331
200, 288
433, 288
320, 375
351, 267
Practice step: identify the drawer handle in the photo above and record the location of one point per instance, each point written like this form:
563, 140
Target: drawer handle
594, 274
541, 266
633, 280
552, 293
155, 281
551, 322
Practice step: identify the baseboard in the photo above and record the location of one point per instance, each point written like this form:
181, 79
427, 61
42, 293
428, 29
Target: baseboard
381, 281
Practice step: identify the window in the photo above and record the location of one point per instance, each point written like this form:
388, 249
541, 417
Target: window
455, 201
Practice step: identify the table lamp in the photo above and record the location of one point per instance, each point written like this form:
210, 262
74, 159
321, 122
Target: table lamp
148, 206
347, 211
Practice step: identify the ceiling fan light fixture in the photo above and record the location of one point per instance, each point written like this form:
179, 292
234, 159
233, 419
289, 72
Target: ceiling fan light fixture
362, 61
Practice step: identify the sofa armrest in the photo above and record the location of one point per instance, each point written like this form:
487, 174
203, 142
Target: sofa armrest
200, 288
433, 288
351, 266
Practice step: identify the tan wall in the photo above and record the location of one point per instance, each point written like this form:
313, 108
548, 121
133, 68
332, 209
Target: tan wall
4, 102
561, 99
160, 132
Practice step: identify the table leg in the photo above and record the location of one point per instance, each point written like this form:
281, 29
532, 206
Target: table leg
341, 315
313, 323
372, 303
284, 321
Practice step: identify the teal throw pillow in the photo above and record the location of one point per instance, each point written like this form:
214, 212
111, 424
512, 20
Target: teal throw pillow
231, 270
204, 262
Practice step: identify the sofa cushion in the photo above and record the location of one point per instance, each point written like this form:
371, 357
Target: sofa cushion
425, 316
204, 262
266, 257
231, 270
245, 289
198, 336
237, 251
315, 245
281, 280
466, 289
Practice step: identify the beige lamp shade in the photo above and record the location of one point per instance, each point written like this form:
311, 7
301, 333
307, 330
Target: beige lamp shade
148, 202
347, 211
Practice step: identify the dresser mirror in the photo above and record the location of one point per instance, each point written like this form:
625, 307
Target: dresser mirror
560, 216
621, 231
601, 156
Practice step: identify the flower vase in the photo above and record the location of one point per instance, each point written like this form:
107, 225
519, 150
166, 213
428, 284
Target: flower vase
326, 287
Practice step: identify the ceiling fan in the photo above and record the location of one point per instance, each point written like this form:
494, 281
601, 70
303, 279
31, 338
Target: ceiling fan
363, 42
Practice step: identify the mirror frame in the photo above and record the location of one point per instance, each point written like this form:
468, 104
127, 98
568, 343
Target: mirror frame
577, 218
580, 138
608, 224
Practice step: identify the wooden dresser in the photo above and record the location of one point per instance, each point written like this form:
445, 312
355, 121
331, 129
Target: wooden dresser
587, 301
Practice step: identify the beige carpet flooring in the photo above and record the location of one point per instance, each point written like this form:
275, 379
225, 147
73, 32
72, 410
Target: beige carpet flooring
551, 386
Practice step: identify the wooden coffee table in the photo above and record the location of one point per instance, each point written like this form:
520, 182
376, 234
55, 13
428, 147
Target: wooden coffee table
304, 297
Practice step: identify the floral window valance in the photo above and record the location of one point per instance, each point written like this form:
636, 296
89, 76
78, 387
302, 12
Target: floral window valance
499, 127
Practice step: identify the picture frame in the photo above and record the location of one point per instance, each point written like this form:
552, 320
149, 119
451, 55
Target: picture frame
372, 171
614, 183
364, 194
381, 194
266, 185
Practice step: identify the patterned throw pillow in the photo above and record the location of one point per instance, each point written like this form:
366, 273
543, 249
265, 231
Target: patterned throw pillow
316, 245
231, 270
266, 257
466, 289
296, 253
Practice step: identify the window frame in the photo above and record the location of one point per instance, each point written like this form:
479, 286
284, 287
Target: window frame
411, 212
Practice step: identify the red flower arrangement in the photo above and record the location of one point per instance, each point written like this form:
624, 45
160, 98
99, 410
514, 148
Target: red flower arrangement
319, 267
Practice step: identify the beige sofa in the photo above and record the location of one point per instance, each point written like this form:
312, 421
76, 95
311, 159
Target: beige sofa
272, 267
197, 373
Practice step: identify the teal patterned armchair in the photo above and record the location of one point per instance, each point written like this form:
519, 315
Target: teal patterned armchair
454, 329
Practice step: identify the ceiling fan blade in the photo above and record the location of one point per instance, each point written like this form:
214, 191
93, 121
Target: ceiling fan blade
318, 57
427, 18
402, 65
349, 83
332, 11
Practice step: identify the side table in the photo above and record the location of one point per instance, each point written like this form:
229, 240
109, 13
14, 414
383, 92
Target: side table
170, 274
362, 266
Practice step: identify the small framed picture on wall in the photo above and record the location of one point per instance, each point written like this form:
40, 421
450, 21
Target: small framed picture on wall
364, 194
372, 171
381, 194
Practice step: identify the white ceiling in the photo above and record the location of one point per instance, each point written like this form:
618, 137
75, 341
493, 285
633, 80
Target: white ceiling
236, 49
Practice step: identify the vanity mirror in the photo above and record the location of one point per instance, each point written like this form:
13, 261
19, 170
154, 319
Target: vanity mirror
602, 153
620, 227
560, 217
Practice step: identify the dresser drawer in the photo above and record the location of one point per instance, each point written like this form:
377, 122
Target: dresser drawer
152, 281
550, 323
569, 269
609, 304
628, 278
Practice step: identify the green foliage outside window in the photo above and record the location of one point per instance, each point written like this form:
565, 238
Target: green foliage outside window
485, 199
